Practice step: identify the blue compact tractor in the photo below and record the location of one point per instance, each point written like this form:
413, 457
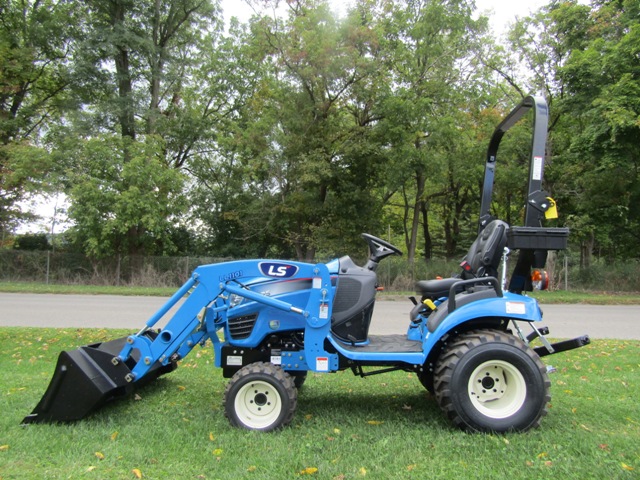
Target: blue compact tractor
272, 321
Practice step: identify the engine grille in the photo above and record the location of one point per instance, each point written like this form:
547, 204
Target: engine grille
241, 327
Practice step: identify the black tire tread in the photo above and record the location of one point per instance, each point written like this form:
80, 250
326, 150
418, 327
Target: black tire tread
262, 369
459, 347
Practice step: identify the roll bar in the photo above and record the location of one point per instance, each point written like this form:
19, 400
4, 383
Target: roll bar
535, 196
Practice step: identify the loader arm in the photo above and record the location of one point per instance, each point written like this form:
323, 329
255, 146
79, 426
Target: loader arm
205, 311
87, 378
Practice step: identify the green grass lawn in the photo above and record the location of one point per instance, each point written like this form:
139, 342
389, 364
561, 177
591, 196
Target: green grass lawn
380, 427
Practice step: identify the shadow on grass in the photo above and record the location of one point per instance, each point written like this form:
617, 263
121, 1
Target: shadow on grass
321, 400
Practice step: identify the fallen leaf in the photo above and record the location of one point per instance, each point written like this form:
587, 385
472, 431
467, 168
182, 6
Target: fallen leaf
309, 471
217, 452
374, 422
336, 431
252, 468
181, 388
137, 397
99, 455
114, 435
137, 472
406, 407
362, 472
91, 468
627, 467
411, 467
603, 446
211, 437
4, 448
542, 455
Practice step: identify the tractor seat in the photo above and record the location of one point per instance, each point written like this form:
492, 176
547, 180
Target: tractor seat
435, 288
482, 260
485, 253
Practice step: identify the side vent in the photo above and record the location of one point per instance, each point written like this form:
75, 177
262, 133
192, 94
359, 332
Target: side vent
241, 327
348, 294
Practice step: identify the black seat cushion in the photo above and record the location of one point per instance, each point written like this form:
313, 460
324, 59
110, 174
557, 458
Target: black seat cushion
435, 288
486, 251
483, 259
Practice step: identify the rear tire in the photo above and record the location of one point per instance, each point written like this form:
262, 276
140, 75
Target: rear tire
490, 381
260, 396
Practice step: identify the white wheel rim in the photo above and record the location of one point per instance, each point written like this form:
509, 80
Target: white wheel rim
257, 404
497, 389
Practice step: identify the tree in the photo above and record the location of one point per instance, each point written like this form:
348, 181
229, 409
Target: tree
124, 206
603, 80
36, 39
306, 131
431, 47
30, 241
142, 118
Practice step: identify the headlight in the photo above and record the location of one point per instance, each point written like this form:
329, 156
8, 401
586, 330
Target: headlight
235, 300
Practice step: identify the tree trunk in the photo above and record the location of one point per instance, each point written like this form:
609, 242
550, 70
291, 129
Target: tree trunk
586, 251
123, 74
421, 180
428, 241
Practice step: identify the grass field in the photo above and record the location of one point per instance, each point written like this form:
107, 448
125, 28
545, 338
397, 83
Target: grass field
380, 427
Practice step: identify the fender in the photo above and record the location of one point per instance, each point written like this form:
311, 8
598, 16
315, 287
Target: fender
509, 307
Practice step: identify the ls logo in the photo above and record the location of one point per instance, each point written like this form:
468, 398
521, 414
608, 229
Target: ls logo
278, 270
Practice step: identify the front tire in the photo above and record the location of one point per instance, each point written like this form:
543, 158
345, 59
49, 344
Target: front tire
490, 381
260, 396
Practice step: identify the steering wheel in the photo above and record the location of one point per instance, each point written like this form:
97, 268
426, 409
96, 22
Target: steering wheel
379, 249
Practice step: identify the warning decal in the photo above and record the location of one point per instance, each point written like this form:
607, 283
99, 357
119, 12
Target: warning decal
518, 308
322, 364
536, 172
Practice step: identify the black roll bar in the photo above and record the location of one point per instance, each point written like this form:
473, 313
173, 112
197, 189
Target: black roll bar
536, 162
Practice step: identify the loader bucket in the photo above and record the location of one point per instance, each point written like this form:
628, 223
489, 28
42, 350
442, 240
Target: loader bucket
85, 379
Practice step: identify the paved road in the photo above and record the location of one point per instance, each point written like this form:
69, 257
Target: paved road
110, 311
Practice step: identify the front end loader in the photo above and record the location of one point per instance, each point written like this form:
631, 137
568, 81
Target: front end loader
271, 322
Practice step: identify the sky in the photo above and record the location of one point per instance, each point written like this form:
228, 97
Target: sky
500, 12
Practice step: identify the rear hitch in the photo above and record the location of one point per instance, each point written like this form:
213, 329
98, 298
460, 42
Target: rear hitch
563, 346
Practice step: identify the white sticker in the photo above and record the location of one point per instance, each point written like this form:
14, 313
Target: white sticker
276, 359
536, 173
234, 361
324, 310
322, 364
516, 307
317, 282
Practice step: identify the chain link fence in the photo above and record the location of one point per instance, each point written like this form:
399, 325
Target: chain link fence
394, 273
70, 269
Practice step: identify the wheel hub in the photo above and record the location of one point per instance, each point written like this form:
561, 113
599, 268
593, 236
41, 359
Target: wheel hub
257, 404
260, 399
489, 384
497, 389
